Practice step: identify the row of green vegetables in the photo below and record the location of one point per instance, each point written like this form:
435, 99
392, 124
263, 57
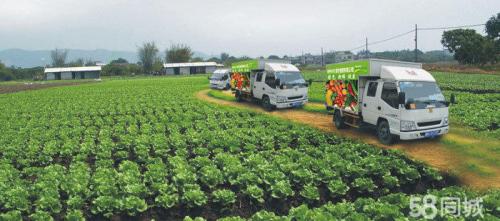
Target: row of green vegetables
479, 111
390, 207
472, 83
126, 147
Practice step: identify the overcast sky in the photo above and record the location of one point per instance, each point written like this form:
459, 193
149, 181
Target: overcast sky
240, 27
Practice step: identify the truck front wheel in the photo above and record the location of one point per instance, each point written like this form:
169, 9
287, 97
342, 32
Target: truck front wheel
384, 133
266, 103
338, 120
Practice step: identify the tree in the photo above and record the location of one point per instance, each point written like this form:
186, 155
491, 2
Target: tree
224, 56
148, 53
178, 53
119, 61
89, 62
114, 70
197, 59
493, 31
493, 27
5, 73
59, 57
157, 66
469, 47
76, 63
214, 59
273, 57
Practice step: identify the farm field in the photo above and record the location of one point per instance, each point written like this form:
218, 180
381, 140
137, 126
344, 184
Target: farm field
147, 148
12, 87
477, 95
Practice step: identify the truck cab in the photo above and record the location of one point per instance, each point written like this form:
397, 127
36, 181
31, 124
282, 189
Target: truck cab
220, 79
279, 86
406, 103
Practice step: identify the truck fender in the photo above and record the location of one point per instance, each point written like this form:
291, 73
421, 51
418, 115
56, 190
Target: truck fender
380, 119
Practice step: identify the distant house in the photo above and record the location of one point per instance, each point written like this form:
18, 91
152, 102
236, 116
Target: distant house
190, 68
68, 73
341, 56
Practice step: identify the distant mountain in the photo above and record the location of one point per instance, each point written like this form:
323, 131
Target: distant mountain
32, 58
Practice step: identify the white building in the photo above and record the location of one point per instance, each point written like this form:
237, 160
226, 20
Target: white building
190, 68
68, 73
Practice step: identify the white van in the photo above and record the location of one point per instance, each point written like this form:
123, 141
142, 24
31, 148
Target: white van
220, 79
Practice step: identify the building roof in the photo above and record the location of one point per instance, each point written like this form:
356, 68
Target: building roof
73, 69
192, 64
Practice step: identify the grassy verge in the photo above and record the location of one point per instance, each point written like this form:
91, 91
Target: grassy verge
221, 95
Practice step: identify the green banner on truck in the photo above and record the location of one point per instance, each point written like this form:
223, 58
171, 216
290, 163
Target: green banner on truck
348, 70
244, 66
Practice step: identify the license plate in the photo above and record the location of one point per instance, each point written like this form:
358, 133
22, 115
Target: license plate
296, 104
431, 133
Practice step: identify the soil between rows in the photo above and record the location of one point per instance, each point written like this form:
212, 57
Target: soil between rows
13, 88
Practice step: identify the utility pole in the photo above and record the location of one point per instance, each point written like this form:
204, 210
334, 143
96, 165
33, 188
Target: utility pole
416, 46
366, 47
322, 58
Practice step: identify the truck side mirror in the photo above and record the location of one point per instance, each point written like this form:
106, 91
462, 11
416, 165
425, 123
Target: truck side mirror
453, 99
402, 98
309, 82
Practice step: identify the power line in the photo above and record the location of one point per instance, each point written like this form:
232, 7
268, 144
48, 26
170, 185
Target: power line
391, 38
411, 31
381, 41
451, 27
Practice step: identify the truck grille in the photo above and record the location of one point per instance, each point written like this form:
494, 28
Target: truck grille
429, 123
295, 97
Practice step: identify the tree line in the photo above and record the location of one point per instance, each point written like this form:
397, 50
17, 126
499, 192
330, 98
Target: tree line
465, 45
469, 47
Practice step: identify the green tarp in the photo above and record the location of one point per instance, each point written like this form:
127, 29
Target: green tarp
348, 70
244, 66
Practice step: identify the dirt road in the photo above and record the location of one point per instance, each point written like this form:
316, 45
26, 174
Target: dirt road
431, 151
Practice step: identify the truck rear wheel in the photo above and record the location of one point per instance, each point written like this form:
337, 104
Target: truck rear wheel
338, 120
266, 103
384, 133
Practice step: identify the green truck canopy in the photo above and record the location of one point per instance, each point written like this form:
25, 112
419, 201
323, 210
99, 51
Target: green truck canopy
348, 70
244, 66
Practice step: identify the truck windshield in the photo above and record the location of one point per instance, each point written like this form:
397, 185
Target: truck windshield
217, 76
422, 94
290, 78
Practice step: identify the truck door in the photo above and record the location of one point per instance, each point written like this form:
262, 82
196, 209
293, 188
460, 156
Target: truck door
389, 105
269, 87
258, 85
370, 103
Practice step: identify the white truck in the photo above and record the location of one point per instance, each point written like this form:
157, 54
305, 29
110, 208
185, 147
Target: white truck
274, 83
220, 79
400, 98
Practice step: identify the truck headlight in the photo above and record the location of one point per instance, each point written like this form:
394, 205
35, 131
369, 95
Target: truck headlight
408, 125
445, 121
280, 99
